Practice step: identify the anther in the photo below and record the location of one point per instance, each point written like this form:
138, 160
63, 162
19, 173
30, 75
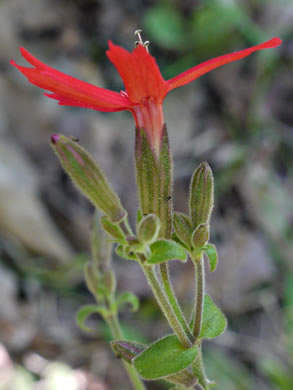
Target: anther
138, 33
140, 41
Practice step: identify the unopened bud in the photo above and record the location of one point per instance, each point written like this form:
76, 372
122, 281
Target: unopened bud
127, 350
201, 198
109, 281
88, 176
148, 229
182, 226
92, 278
200, 236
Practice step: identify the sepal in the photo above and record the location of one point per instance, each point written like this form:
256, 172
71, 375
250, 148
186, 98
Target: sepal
148, 229
182, 227
200, 236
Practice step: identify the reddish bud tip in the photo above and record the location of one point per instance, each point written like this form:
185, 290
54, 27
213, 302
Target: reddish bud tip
55, 138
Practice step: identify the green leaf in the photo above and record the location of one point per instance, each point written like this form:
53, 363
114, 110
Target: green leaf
113, 229
128, 297
211, 252
164, 250
127, 349
85, 311
214, 321
165, 357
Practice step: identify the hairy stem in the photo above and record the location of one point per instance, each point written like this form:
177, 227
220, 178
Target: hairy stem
117, 333
164, 271
165, 306
199, 296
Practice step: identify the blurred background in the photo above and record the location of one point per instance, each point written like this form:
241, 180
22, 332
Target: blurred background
239, 118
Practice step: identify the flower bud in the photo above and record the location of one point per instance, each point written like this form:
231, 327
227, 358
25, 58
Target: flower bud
127, 350
148, 229
109, 281
91, 278
182, 226
201, 198
200, 236
88, 177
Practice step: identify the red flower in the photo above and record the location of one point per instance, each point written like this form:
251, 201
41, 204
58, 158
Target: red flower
144, 84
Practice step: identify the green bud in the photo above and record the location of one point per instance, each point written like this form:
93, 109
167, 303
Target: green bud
201, 198
127, 350
200, 236
88, 177
148, 229
182, 226
91, 278
109, 281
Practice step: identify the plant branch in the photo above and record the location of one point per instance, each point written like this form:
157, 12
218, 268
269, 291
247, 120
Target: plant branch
199, 296
117, 333
165, 305
164, 271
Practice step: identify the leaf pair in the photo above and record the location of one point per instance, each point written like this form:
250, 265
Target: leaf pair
167, 357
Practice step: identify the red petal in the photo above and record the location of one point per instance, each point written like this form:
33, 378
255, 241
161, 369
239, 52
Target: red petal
199, 70
69, 90
139, 72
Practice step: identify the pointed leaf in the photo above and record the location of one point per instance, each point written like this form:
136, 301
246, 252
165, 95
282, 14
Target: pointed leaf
113, 229
211, 252
127, 350
85, 311
128, 297
214, 321
164, 250
165, 357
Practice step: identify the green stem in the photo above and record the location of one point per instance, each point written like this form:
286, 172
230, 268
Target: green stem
117, 333
199, 371
164, 271
165, 306
199, 296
